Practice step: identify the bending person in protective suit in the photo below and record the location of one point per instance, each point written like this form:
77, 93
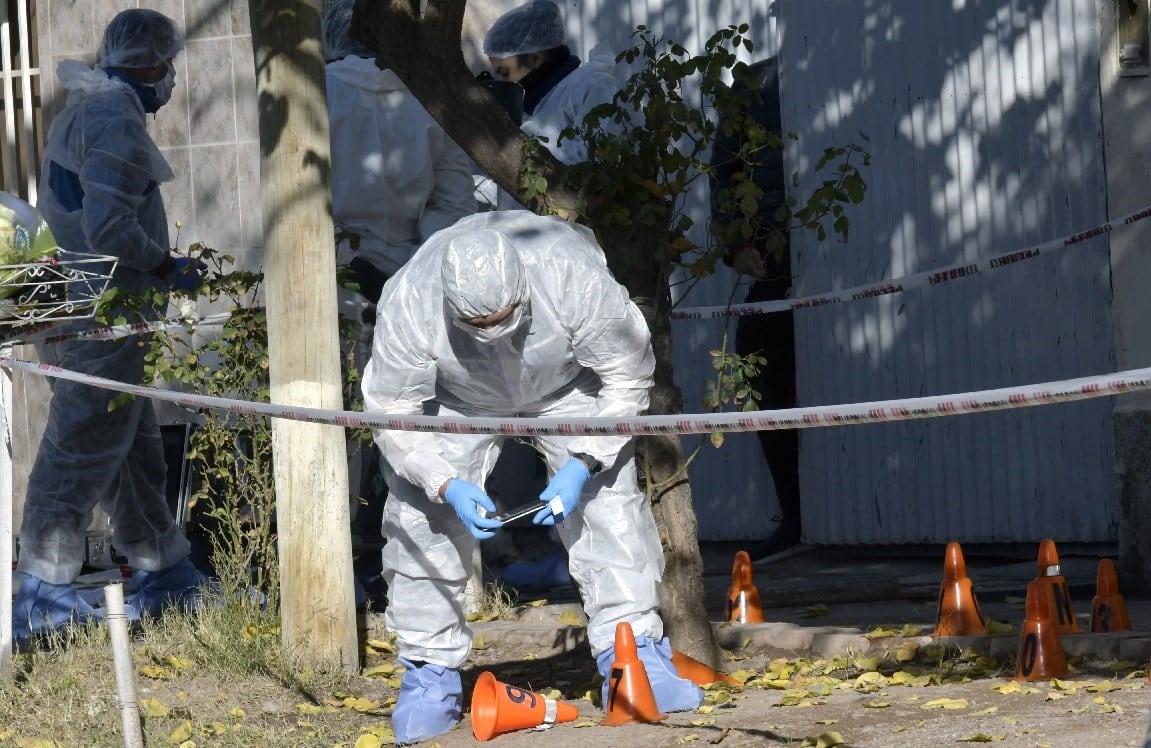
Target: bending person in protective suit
511, 314
100, 196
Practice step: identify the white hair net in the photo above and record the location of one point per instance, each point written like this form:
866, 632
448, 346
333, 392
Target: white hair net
337, 33
533, 27
482, 274
139, 38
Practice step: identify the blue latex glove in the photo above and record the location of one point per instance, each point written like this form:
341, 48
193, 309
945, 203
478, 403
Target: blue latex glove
565, 485
186, 273
465, 498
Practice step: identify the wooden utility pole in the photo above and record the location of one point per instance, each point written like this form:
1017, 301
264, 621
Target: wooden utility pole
310, 463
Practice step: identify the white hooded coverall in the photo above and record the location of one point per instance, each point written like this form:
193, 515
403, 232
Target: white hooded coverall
584, 351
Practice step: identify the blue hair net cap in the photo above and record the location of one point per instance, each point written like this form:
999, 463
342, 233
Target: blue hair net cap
337, 33
139, 38
534, 27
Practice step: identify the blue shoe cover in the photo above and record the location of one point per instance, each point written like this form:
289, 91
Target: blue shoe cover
672, 693
430, 702
181, 585
549, 571
41, 607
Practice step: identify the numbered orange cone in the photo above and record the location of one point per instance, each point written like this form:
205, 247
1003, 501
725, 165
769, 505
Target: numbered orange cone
498, 708
1108, 610
1055, 588
629, 695
699, 673
958, 611
742, 604
1040, 648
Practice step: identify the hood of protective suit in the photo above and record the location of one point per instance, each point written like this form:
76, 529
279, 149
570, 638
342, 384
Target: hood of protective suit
482, 274
363, 73
83, 82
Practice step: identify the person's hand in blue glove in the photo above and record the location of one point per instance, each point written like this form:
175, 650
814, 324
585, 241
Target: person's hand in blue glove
565, 486
466, 498
187, 272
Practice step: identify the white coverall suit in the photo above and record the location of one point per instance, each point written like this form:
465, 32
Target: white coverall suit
398, 177
585, 351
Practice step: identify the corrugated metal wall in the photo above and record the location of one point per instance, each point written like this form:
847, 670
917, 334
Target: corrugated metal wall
983, 121
731, 486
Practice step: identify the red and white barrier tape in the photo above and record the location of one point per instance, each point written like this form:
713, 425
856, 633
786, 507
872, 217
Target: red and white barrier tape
762, 420
41, 334
915, 280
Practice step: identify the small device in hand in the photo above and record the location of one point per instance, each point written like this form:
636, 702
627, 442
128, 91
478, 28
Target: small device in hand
530, 510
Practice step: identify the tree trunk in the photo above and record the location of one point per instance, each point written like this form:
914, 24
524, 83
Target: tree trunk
424, 50
310, 461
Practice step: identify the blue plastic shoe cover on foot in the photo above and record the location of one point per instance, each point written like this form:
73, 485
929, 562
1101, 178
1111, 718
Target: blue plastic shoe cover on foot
41, 607
672, 693
179, 586
430, 702
549, 571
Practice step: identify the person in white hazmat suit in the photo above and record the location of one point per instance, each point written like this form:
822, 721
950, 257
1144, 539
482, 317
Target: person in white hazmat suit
528, 45
99, 195
508, 313
397, 178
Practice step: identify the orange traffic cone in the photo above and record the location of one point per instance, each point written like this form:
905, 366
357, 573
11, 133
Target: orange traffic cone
1055, 587
1040, 648
958, 611
699, 673
1108, 610
742, 598
629, 695
498, 708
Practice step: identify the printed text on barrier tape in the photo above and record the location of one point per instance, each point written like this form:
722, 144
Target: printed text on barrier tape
763, 420
907, 282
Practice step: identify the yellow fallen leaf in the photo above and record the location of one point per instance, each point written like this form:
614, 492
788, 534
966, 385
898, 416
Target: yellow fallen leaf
571, 618
153, 707
155, 672
945, 703
689, 738
181, 733
360, 704
1062, 685
380, 645
981, 738
368, 741
537, 603
179, 663
236, 713
876, 704
1100, 687
907, 651
701, 722
1012, 687
880, 632
586, 723
381, 670
826, 740
997, 627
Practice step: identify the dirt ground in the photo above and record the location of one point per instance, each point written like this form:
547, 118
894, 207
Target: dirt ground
920, 695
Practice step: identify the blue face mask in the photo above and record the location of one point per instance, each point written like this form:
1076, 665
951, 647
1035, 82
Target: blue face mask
162, 88
151, 95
